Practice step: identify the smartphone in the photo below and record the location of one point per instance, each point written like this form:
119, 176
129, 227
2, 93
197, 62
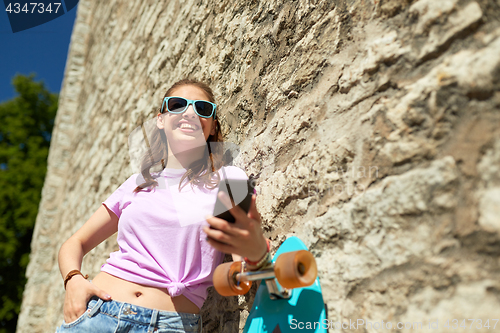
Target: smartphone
240, 192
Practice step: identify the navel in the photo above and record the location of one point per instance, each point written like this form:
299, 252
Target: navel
138, 294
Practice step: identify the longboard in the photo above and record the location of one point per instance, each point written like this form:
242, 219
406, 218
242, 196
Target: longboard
276, 309
288, 315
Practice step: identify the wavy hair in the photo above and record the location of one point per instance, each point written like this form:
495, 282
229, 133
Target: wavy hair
157, 154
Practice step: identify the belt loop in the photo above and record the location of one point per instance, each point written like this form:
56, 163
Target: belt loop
201, 323
152, 324
96, 307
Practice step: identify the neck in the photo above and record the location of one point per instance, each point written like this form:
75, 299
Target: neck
184, 159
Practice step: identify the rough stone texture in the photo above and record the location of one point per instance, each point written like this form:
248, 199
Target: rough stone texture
372, 127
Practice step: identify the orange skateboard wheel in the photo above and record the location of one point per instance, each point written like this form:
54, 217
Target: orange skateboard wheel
296, 269
225, 280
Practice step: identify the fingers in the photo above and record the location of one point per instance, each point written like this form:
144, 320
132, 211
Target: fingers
253, 213
74, 308
222, 247
102, 294
235, 210
223, 232
244, 237
77, 297
71, 317
217, 235
219, 224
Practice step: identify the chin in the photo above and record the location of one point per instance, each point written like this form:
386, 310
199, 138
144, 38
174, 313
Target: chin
187, 143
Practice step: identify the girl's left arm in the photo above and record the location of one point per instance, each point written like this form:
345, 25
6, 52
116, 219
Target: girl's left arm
244, 238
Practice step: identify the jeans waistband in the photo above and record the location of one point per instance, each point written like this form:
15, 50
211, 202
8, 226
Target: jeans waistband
141, 315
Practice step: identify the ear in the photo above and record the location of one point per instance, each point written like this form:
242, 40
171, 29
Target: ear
212, 130
159, 121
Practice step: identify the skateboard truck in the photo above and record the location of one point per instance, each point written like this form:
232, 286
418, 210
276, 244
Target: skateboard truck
267, 274
275, 293
294, 268
291, 270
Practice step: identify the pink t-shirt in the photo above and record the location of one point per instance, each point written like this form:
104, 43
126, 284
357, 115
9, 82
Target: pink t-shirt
160, 234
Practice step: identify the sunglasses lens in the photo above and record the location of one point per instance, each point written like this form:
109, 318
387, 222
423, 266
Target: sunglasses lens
204, 109
176, 105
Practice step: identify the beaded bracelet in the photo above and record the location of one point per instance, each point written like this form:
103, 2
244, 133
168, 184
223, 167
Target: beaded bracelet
263, 261
71, 274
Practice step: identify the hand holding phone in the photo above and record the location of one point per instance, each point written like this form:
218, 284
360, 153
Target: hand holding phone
244, 239
240, 193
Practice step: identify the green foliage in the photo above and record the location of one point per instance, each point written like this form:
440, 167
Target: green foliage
26, 123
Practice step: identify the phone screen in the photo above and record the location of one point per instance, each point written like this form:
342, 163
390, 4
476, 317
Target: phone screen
240, 191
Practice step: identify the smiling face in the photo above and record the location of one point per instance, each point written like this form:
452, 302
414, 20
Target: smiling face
186, 130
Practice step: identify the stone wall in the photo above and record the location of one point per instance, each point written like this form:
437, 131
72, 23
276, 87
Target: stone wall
372, 127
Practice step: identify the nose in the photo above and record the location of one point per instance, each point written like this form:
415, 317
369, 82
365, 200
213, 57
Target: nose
189, 113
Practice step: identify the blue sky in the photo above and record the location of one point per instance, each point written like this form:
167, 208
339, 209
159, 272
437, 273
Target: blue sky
41, 50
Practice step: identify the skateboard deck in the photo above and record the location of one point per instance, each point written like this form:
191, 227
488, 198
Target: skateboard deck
304, 311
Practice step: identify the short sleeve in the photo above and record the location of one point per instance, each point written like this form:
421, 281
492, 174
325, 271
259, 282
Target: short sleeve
233, 172
117, 201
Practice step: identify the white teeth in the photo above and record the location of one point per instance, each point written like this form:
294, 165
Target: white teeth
186, 125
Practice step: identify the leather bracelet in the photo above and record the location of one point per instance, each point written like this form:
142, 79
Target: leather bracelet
263, 260
71, 274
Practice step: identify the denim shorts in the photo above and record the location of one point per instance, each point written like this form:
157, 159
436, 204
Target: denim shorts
115, 317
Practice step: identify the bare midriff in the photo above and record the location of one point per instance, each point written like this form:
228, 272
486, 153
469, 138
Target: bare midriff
145, 296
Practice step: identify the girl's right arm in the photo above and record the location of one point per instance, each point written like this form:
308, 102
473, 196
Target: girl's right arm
102, 224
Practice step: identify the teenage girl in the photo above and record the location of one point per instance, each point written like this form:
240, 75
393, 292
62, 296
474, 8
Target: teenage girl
169, 244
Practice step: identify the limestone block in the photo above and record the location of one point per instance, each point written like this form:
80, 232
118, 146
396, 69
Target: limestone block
433, 305
489, 210
457, 22
380, 49
489, 166
429, 11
